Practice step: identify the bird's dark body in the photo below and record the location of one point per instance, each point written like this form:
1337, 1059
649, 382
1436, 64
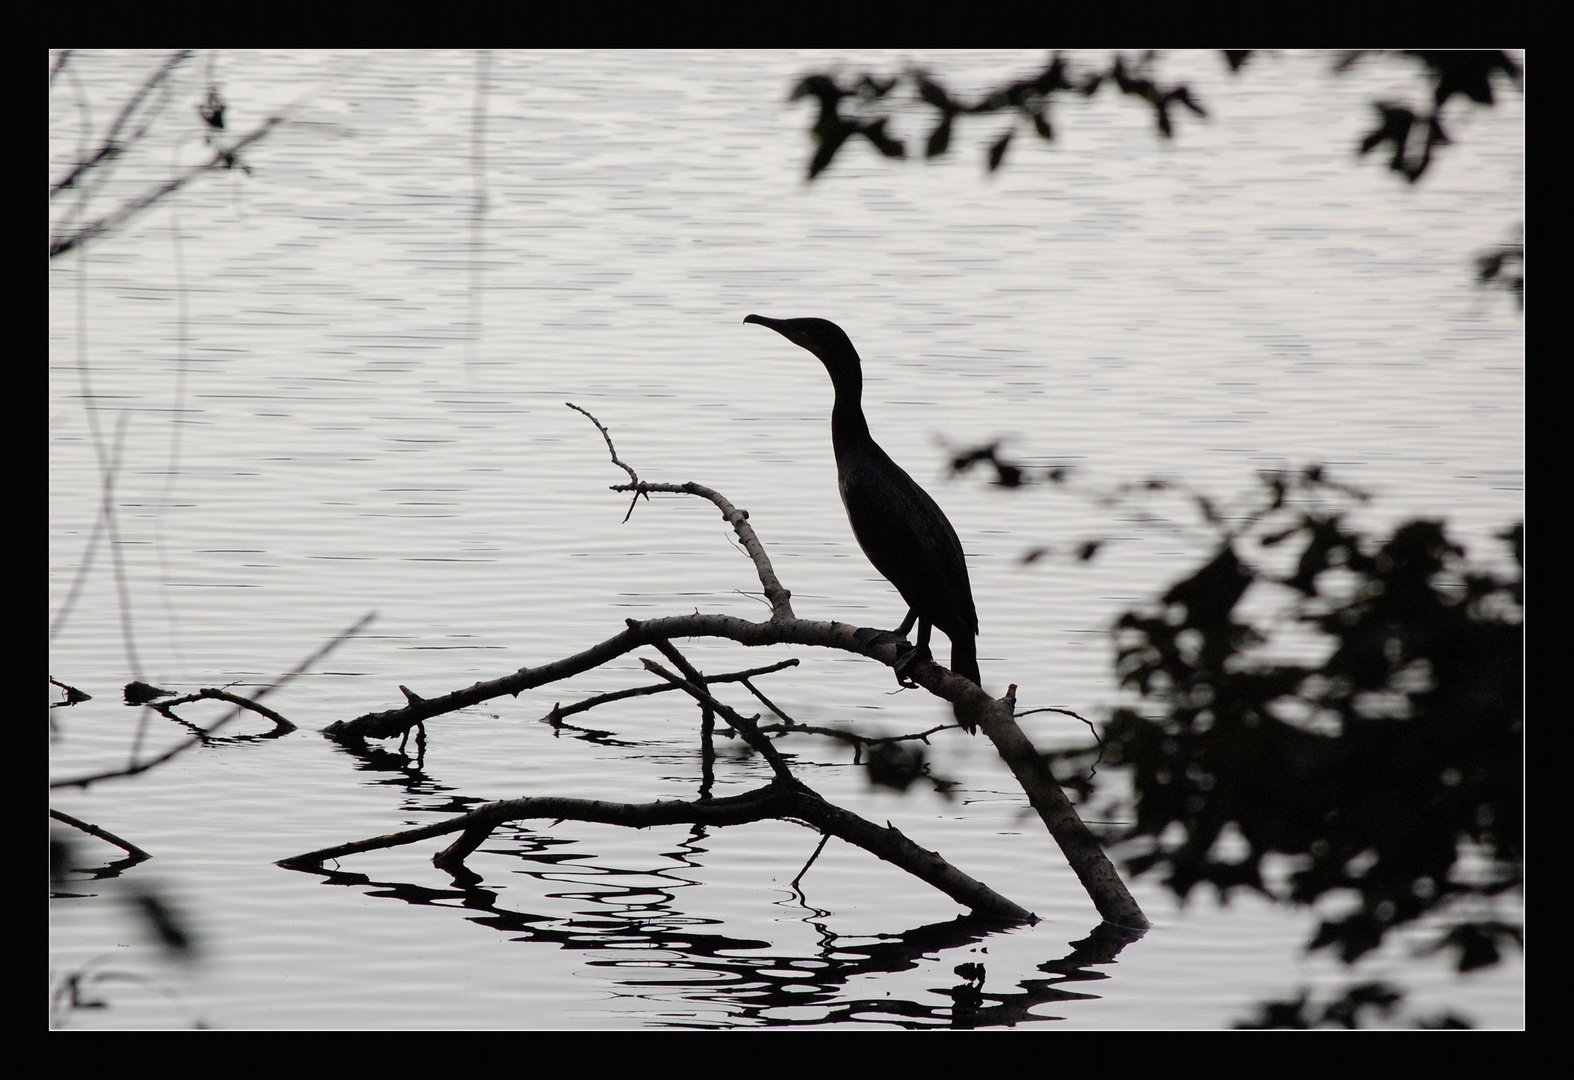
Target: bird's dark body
901, 529
909, 540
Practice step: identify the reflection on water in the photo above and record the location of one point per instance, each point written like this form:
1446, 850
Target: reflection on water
688, 972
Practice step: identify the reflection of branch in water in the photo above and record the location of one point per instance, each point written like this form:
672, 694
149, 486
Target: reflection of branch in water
752, 982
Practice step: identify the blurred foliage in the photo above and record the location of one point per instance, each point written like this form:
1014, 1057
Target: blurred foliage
1387, 778
1388, 774
1346, 1011
1411, 135
1504, 267
860, 105
1380, 778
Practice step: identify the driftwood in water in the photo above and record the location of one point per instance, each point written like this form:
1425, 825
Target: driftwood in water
785, 797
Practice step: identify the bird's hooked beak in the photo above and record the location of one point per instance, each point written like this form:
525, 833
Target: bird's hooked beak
774, 324
784, 326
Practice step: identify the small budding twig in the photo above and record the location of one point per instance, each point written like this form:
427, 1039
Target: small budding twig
775, 592
619, 462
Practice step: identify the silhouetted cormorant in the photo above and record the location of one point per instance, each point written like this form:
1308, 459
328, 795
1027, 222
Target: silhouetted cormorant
901, 529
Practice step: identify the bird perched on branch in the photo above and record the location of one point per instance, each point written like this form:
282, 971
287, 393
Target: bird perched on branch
902, 530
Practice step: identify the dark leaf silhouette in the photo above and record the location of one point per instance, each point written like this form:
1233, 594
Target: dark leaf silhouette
1370, 768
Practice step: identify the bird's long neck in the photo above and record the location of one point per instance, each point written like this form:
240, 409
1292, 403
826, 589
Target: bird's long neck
849, 429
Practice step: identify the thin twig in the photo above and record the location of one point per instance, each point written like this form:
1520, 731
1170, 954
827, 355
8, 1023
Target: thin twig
111, 146
824, 839
777, 594
768, 703
613, 451
745, 726
559, 711
852, 738
607, 435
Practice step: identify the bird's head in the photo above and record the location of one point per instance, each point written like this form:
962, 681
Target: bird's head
824, 339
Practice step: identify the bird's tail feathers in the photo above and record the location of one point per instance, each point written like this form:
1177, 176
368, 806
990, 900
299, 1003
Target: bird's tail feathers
964, 658
964, 661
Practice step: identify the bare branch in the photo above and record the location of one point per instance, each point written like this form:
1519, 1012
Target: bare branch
875, 644
767, 702
607, 435
1082, 849
852, 738
73, 695
560, 711
824, 837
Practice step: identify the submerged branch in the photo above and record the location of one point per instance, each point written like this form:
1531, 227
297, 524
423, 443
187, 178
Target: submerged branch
281, 726
1083, 852
789, 801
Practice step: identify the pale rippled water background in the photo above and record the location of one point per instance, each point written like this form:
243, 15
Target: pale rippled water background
1246, 296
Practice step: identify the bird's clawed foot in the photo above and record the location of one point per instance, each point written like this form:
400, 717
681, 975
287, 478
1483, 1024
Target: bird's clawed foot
911, 657
908, 657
